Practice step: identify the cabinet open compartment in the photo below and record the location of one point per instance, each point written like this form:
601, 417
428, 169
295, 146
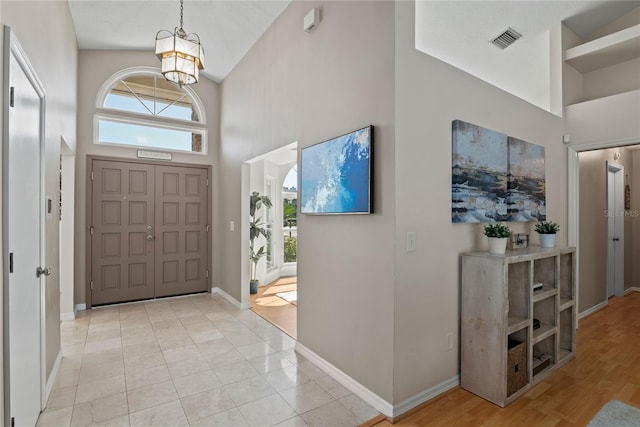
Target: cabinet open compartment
545, 311
545, 271
517, 361
566, 280
519, 283
567, 337
543, 355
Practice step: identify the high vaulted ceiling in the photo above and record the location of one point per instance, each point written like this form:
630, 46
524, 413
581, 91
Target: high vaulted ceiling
227, 29
460, 33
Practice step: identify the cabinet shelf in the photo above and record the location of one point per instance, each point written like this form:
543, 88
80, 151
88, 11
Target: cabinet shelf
566, 303
605, 51
545, 292
544, 331
517, 323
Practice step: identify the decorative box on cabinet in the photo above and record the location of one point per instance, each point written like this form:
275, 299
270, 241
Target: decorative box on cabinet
498, 306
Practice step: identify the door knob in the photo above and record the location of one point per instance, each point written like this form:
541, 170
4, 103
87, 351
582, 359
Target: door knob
149, 237
43, 271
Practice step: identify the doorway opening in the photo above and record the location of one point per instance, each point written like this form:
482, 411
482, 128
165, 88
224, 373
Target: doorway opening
275, 175
604, 201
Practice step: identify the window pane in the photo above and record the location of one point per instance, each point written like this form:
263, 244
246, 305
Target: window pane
112, 132
152, 95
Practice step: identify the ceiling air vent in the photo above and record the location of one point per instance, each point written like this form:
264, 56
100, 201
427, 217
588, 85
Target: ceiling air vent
507, 38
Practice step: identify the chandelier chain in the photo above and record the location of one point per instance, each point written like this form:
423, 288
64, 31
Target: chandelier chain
181, 9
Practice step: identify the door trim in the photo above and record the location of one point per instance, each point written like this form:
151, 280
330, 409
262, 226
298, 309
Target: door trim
13, 47
88, 213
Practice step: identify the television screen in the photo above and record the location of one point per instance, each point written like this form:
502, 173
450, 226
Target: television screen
335, 175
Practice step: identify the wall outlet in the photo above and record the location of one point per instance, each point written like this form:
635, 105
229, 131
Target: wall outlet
450, 341
411, 241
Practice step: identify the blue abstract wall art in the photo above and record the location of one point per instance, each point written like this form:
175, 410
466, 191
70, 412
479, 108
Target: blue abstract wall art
495, 177
335, 175
526, 184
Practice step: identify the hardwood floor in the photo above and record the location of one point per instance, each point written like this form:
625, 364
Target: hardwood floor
606, 367
274, 309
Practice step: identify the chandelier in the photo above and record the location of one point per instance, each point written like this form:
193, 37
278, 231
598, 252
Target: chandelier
181, 54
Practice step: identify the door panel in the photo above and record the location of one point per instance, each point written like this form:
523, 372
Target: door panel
122, 256
181, 235
23, 234
150, 231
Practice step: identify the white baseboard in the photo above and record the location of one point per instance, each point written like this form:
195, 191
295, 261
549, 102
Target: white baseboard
425, 395
67, 316
593, 309
52, 378
370, 397
232, 300
632, 289
81, 307
346, 381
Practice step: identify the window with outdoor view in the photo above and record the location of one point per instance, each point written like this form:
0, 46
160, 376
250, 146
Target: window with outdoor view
139, 108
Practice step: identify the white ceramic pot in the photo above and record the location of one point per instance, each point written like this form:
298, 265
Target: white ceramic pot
547, 240
498, 245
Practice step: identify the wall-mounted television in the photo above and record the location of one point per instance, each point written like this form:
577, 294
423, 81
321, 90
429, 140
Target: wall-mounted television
336, 175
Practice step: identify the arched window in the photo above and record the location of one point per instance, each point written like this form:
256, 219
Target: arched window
137, 107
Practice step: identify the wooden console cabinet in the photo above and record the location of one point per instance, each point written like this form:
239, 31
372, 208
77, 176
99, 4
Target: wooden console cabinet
502, 355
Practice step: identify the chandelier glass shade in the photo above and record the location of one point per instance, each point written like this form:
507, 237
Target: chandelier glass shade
181, 55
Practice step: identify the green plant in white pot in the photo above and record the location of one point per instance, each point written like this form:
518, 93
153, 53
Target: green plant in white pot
547, 231
498, 235
256, 229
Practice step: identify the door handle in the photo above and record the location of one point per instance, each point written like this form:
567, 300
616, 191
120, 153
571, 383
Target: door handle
615, 239
43, 271
150, 237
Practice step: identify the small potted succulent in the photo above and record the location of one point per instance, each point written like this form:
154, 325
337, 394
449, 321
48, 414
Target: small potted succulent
498, 235
547, 231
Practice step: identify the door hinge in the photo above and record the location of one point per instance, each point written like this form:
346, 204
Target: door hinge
207, 228
91, 229
10, 262
207, 274
91, 175
91, 284
207, 182
11, 97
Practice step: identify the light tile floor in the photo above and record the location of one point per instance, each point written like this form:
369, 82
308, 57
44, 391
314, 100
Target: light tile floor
190, 361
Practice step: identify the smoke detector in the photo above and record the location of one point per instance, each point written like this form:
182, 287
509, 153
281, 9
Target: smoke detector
507, 38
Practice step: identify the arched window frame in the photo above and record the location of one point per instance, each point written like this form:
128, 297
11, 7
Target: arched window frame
127, 117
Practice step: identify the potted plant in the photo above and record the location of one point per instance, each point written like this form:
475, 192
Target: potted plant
547, 231
256, 229
498, 235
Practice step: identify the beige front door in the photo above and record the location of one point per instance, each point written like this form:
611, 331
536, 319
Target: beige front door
148, 231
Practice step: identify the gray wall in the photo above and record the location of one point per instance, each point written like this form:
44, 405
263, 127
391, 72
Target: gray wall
309, 87
593, 225
46, 33
95, 67
429, 95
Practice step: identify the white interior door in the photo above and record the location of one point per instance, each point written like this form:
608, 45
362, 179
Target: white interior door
23, 223
615, 230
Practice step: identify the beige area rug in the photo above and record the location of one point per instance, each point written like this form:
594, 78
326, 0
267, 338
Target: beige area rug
616, 414
291, 296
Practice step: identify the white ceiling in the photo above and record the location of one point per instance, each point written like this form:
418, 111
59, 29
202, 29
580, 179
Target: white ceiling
227, 29
459, 33
454, 31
